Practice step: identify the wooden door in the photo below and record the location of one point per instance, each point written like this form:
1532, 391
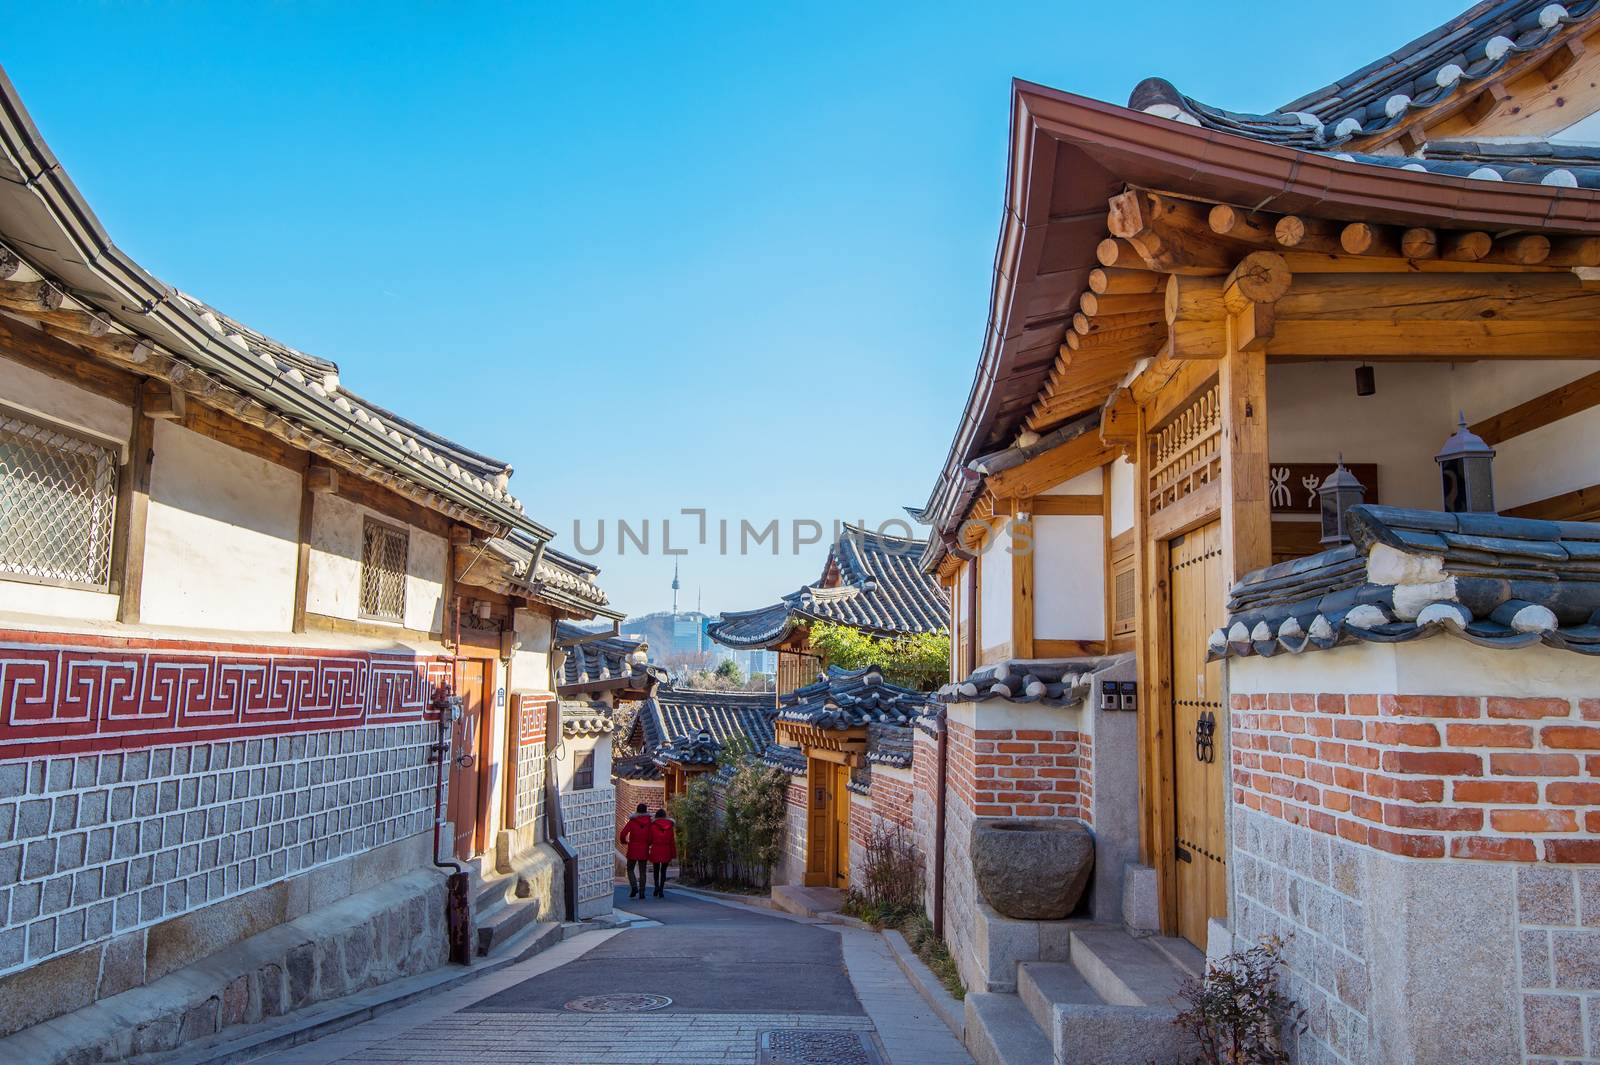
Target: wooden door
841, 827
819, 824
1198, 596
467, 745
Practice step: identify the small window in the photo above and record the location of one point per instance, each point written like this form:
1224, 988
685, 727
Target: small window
1123, 619
383, 571
583, 771
58, 500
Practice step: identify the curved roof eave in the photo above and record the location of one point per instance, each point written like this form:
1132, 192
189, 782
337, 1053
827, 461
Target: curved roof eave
1069, 152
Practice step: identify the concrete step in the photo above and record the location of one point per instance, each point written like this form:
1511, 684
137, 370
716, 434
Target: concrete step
1043, 985
504, 920
807, 901
489, 888
1000, 1031
1124, 970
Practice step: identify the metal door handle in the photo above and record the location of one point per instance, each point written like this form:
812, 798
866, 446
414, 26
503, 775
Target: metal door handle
465, 761
1205, 727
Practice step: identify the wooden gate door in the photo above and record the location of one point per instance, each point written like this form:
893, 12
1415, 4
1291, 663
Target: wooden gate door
841, 827
467, 756
1198, 597
819, 824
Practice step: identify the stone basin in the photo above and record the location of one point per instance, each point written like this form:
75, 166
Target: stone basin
1033, 869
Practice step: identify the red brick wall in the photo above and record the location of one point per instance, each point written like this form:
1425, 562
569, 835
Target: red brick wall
1021, 772
630, 793
891, 798
533, 707
1427, 776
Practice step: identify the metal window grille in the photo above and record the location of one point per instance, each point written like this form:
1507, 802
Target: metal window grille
383, 571
58, 501
1123, 619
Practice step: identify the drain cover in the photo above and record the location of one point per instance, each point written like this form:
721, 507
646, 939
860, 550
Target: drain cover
828, 1047
636, 1003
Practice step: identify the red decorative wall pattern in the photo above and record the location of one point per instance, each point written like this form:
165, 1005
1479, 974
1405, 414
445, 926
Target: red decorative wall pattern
68, 694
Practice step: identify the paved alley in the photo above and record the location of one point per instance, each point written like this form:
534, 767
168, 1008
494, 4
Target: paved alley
733, 975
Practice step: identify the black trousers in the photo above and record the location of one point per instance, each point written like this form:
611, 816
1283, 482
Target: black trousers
638, 877
661, 876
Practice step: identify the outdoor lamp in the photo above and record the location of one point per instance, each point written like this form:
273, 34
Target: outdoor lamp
1337, 495
1466, 470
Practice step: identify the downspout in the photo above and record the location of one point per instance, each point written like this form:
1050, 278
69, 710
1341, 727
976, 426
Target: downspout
458, 902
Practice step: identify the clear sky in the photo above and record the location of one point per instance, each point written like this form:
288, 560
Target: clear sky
733, 257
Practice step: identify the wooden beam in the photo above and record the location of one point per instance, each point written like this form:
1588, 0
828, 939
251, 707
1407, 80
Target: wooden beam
1307, 234
1182, 388
119, 347
1136, 303
302, 568
1580, 504
1485, 103
1170, 234
1108, 281
1366, 338
1247, 509
1068, 648
165, 401
1022, 547
1569, 399
1045, 471
131, 538
1440, 297
1248, 296
1120, 255
1119, 421
1066, 506
1561, 59
1188, 513
30, 297
1239, 224
322, 479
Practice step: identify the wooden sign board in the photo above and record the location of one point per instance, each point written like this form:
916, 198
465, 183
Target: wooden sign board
1293, 486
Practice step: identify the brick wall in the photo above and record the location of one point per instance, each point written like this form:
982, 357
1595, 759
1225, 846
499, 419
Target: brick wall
1022, 772
1424, 776
630, 793
891, 795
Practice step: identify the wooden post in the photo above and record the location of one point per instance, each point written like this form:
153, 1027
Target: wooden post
1022, 547
302, 570
135, 510
1246, 506
1153, 637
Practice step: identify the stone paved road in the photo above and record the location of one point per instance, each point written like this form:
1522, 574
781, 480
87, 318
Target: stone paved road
733, 972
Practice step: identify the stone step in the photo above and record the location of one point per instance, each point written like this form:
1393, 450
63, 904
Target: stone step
1124, 970
1000, 1031
1043, 985
503, 921
807, 901
490, 887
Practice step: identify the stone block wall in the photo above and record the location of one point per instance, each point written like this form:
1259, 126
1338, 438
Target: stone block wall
792, 864
529, 804
590, 816
924, 805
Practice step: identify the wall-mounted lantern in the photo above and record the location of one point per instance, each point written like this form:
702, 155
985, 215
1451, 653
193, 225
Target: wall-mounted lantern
1466, 471
1337, 494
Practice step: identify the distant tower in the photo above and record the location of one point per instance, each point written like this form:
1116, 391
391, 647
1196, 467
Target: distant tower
674, 587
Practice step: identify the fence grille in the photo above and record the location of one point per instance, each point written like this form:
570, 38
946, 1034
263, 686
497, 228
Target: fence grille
58, 500
383, 571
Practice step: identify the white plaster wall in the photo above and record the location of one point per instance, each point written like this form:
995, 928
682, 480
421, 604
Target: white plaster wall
334, 581
27, 388
1440, 665
1315, 414
530, 660
1085, 484
572, 747
221, 538
1122, 502
1069, 597
32, 392
994, 592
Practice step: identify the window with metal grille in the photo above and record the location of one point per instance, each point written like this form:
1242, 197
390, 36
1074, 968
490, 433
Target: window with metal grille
58, 501
383, 571
1122, 622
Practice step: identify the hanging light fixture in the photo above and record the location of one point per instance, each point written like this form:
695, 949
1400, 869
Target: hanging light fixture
1366, 380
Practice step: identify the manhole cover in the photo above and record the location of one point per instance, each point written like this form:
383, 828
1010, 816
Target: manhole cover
830, 1047
639, 1003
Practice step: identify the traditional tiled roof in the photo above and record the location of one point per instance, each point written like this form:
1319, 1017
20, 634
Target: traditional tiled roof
726, 716
697, 750
1496, 581
585, 719
639, 767
593, 663
889, 745
1451, 61
218, 361
871, 581
791, 760
851, 698
1054, 682
556, 578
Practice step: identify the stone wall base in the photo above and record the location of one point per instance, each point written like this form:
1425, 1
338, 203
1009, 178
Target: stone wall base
381, 934
1000, 943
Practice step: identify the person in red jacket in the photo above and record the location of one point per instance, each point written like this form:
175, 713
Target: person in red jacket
636, 837
663, 848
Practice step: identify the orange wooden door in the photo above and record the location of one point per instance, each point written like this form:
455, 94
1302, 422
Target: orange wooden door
1198, 596
841, 827
819, 824
467, 745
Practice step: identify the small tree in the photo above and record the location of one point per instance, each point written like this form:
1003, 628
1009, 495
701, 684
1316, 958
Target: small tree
729, 673
1238, 1015
891, 877
702, 848
757, 806
919, 660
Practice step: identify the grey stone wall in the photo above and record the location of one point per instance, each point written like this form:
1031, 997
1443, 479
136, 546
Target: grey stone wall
960, 891
530, 787
792, 861
97, 845
590, 816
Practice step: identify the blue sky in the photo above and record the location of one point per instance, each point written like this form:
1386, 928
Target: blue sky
734, 257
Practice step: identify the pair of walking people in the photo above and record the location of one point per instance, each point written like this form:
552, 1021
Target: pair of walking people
652, 842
